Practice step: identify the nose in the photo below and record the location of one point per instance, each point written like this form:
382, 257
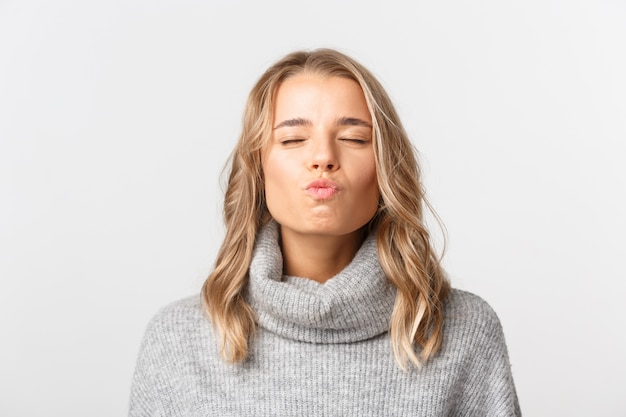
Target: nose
324, 156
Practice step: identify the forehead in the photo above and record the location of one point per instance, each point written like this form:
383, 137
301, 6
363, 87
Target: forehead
319, 97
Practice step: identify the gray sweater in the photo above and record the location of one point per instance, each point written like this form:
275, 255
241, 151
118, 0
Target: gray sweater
322, 350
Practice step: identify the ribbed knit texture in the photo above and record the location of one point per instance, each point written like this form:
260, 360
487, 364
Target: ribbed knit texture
354, 305
322, 350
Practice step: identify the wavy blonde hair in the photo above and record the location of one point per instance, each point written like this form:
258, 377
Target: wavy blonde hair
404, 246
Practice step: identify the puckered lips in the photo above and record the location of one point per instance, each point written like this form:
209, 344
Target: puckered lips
322, 189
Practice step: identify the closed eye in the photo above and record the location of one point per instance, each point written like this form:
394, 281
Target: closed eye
355, 141
291, 141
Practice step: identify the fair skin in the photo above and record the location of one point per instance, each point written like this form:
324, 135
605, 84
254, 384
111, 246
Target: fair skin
320, 173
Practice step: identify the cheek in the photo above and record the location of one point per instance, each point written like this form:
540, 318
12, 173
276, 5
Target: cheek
368, 191
275, 171
367, 177
277, 174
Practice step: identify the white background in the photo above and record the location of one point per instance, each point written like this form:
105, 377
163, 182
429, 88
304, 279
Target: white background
116, 118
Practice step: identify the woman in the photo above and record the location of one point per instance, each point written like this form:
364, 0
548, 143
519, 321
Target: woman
327, 297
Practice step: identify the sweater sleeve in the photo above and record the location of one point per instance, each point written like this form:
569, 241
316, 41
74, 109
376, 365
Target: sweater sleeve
144, 400
489, 389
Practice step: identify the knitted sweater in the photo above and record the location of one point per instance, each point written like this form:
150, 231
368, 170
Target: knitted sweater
322, 350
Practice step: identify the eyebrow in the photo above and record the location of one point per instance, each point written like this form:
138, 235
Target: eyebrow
353, 121
293, 123
343, 121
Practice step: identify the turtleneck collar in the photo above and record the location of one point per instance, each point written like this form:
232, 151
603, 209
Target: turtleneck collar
354, 305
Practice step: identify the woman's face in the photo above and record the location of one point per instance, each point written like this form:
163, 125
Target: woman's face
320, 174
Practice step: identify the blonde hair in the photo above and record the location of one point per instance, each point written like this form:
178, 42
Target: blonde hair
404, 247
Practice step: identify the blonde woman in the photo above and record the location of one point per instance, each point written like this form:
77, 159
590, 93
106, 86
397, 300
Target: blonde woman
327, 297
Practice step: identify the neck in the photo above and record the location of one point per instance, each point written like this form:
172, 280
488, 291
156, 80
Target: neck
318, 257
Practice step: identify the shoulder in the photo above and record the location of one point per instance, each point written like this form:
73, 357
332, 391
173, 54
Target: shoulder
181, 311
470, 318
177, 324
175, 336
474, 345
466, 304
